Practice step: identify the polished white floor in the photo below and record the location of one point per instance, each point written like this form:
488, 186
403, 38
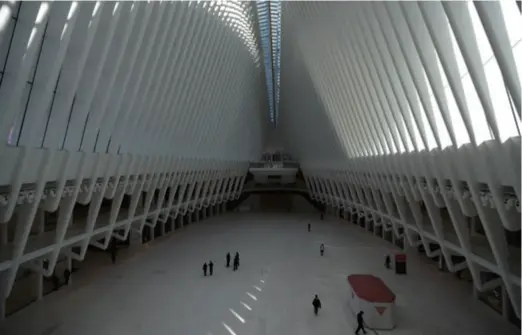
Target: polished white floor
163, 291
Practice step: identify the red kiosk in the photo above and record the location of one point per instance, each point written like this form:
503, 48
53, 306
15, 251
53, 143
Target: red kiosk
371, 295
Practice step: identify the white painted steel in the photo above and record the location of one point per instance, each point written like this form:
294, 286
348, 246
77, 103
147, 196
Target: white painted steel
391, 110
122, 98
406, 114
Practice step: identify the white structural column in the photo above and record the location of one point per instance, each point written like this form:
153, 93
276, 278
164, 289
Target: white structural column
404, 115
408, 115
40, 223
137, 103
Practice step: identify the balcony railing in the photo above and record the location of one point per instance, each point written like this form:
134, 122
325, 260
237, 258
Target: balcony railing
274, 165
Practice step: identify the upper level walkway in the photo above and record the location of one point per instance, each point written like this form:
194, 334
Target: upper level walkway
163, 291
298, 186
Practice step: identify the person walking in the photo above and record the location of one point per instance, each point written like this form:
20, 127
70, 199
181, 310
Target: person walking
321, 248
360, 323
228, 259
309, 227
387, 261
205, 269
236, 261
317, 304
211, 267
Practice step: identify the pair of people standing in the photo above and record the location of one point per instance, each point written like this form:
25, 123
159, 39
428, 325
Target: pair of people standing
236, 261
210, 267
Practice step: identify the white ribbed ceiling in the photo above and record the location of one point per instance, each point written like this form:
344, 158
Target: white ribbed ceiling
407, 114
133, 77
404, 113
373, 79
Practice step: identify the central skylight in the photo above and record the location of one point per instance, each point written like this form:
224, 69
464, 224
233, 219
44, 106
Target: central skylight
269, 13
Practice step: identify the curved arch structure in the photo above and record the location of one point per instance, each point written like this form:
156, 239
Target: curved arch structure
88, 92
408, 113
405, 113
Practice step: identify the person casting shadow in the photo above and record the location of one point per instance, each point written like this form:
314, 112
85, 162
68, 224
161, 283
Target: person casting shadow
360, 323
317, 304
236, 261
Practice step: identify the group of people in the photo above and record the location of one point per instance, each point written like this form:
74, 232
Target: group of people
210, 265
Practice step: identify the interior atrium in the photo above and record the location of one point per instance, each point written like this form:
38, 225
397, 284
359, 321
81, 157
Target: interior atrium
126, 122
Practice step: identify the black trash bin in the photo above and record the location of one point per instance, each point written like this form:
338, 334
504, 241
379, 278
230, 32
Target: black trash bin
400, 264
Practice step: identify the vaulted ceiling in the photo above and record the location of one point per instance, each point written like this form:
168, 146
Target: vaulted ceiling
408, 113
